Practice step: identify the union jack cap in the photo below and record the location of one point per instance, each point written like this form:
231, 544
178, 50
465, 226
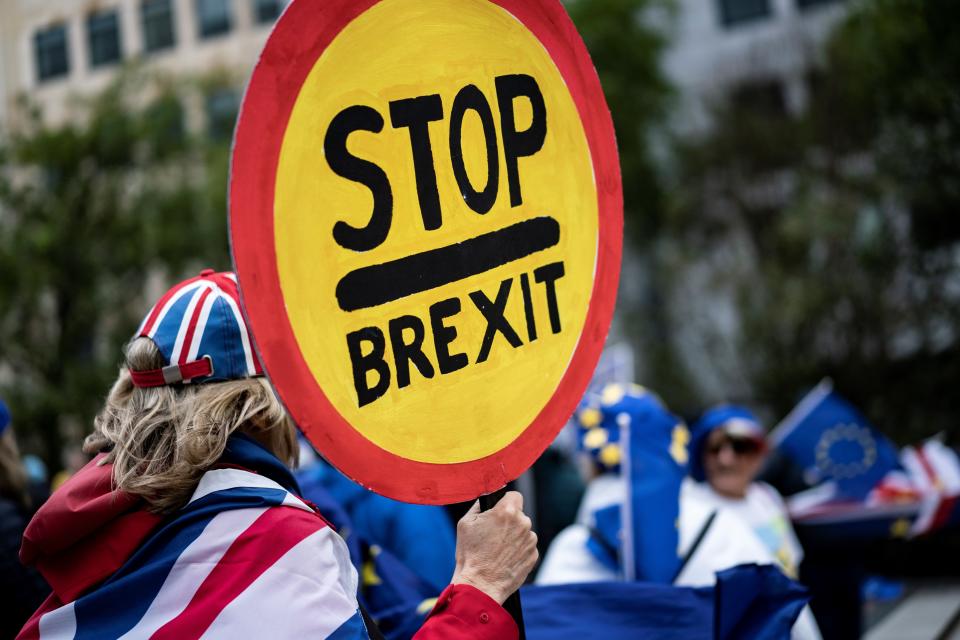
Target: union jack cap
199, 329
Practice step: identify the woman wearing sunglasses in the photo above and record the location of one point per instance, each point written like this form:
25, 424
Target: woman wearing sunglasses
727, 452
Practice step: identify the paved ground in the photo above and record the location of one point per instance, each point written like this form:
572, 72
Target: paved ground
928, 613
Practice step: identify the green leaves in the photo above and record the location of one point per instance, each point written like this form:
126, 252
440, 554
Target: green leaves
846, 213
97, 213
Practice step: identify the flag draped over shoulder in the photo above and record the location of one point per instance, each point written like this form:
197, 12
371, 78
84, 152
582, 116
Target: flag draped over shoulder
749, 601
245, 544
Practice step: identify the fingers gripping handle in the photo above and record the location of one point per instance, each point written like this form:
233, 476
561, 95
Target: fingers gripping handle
512, 603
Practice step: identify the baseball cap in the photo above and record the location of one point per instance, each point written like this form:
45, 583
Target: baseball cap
200, 331
736, 421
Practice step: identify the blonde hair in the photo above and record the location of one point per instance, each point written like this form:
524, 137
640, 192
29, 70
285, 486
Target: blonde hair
160, 440
13, 477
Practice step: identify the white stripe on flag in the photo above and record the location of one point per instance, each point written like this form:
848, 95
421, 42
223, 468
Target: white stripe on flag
315, 575
945, 463
201, 326
172, 301
910, 459
799, 413
242, 326
223, 479
59, 624
192, 567
185, 323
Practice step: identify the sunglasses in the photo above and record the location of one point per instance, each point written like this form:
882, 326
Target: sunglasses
740, 446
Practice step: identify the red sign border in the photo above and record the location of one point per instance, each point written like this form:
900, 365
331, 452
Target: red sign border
302, 33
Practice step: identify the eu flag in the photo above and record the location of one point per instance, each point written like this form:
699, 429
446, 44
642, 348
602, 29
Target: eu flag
654, 466
833, 442
748, 601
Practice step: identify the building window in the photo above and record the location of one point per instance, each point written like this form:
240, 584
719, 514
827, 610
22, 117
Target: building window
213, 16
804, 4
103, 33
222, 107
734, 12
265, 11
157, 16
50, 49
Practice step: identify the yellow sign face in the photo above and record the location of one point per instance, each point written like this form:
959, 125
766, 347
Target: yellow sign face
436, 225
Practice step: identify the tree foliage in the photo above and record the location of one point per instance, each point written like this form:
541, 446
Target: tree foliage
626, 40
91, 212
835, 230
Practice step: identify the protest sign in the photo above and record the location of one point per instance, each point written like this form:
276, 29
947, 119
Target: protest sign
426, 221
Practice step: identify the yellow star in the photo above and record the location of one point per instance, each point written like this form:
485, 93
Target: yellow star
612, 394
426, 606
589, 417
679, 442
900, 528
370, 577
595, 438
610, 455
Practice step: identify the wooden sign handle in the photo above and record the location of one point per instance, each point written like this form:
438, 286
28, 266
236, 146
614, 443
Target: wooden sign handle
512, 603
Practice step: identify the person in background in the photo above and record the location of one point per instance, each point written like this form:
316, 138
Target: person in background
189, 521
727, 451
589, 549
21, 589
420, 536
38, 481
709, 537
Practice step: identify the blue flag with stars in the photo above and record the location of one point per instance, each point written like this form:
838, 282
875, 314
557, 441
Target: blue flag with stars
832, 442
627, 430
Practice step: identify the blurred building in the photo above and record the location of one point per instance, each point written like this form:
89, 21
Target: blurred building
57, 50
760, 56
757, 51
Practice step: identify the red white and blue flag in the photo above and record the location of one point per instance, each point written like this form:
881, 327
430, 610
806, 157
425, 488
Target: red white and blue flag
245, 553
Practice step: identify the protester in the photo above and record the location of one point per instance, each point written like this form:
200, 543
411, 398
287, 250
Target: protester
727, 450
726, 454
707, 538
207, 533
21, 589
589, 550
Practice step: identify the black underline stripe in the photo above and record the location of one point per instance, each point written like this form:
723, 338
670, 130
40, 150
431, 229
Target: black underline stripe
381, 283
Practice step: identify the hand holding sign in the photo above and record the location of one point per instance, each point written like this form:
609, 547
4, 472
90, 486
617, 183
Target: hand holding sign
496, 549
426, 223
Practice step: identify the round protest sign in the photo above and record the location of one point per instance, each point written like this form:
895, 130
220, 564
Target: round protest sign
426, 221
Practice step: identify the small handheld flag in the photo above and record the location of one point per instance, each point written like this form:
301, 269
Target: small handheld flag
832, 441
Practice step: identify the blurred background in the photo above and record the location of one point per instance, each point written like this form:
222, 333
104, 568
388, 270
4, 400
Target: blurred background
791, 173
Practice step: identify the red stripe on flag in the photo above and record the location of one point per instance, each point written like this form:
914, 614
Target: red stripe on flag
192, 327
928, 468
942, 515
152, 318
254, 551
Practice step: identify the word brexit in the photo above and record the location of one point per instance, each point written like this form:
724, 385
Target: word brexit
407, 334
385, 282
